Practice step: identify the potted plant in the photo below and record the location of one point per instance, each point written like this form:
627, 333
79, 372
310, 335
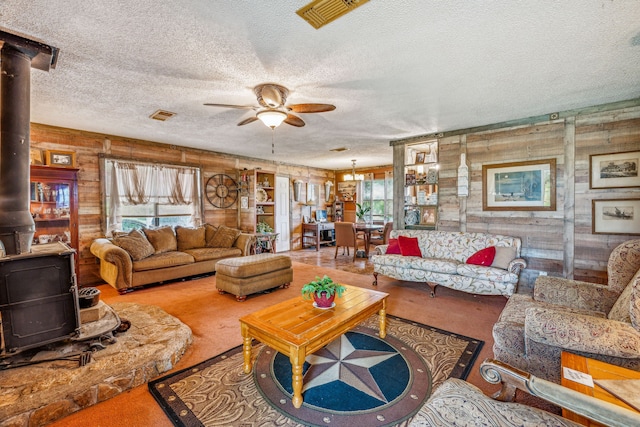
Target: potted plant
322, 291
362, 211
263, 227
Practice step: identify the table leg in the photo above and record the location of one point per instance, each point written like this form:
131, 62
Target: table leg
246, 348
297, 362
383, 319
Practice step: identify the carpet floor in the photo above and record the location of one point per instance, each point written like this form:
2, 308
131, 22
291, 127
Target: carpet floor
359, 379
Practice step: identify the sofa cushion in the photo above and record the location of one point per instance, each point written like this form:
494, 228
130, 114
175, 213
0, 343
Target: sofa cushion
225, 237
393, 248
409, 246
206, 254
136, 245
163, 260
189, 238
504, 255
483, 256
163, 239
209, 232
497, 275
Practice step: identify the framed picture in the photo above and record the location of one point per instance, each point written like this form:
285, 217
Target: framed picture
244, 202
519, 186
615, 216
614, 170
428, 215
410, 178
35, 156
65, 159
420, 157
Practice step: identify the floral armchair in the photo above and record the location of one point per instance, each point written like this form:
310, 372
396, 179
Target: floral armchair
597, 321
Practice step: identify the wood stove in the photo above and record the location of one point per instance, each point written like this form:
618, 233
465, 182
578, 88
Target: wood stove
38, 298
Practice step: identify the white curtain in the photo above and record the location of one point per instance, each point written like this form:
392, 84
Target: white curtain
134, 183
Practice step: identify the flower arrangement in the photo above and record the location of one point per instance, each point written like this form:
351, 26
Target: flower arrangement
315, 289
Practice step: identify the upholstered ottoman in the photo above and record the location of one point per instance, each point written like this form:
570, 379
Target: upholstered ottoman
247, 275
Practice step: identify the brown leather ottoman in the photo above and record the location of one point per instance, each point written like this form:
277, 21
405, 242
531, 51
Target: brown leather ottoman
247, 275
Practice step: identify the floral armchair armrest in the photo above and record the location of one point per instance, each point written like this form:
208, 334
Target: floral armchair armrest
517, 265
580, 332
574, 294
380, 249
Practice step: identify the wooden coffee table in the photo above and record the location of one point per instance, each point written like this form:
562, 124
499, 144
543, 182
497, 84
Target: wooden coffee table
598, 371
296, 328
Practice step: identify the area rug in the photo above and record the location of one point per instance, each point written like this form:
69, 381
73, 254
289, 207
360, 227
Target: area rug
359, 379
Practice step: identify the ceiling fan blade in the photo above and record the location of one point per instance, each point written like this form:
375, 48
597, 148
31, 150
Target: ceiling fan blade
242, 107
294, 121
248, 120
311, 108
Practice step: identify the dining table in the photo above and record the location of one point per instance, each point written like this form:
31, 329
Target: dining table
367, 229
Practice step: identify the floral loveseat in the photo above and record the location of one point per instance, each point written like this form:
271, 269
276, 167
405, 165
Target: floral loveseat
442, 260
597, 321
149, 256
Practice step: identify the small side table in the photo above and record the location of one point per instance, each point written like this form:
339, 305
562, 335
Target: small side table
598, 371
264, 243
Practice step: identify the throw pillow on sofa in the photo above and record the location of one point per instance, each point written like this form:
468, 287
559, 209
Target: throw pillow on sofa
190, 238
136, 245
483, 256
163, 239
409, 246
504, 255
393, 248
209, 232
225, 237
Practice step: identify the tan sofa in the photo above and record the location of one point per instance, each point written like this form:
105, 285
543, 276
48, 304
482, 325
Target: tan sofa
157, 255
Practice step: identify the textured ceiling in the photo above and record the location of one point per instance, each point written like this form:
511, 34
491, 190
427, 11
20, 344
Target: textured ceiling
393, 69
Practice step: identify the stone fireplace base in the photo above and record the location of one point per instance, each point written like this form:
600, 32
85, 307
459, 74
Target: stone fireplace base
40, 394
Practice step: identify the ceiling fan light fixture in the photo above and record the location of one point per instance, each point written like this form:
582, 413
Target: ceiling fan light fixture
272, 118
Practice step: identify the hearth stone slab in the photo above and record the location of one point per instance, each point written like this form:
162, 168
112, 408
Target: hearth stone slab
40, 394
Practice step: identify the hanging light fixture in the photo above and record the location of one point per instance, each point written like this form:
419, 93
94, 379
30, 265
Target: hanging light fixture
272, 118
353, 176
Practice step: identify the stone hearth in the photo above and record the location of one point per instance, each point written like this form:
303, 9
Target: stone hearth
40, 394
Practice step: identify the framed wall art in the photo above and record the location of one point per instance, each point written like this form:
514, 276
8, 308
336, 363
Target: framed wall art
35, 156
615, 216
65, 159
420, 157
519, 186
614, 170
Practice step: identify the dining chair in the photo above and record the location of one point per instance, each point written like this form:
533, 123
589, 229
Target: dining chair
381, 237
346, 237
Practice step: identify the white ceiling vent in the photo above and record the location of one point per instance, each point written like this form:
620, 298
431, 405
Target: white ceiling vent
320, 12
162, 115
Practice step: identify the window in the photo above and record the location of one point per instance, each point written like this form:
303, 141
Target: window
378, 194
139, 194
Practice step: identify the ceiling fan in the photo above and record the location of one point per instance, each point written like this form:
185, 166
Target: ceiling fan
272, 110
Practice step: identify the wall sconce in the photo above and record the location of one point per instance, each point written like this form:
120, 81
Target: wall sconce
297, 188
327, 190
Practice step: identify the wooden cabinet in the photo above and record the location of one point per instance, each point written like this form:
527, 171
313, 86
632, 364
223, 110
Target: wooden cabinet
318, 233
420, 196
54, 205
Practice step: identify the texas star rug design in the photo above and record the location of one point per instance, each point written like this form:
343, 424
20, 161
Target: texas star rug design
358, 379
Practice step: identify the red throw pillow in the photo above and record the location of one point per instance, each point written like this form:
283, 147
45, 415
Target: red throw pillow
483, 256
394, 247
409, 246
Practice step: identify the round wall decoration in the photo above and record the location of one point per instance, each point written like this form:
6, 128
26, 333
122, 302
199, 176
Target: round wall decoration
261, 195
221, 191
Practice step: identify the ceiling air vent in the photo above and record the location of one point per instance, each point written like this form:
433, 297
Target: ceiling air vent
320, 12
162, 115
339, 150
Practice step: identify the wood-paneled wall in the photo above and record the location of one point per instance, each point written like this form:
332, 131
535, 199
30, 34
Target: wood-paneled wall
89, 146
558, 242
